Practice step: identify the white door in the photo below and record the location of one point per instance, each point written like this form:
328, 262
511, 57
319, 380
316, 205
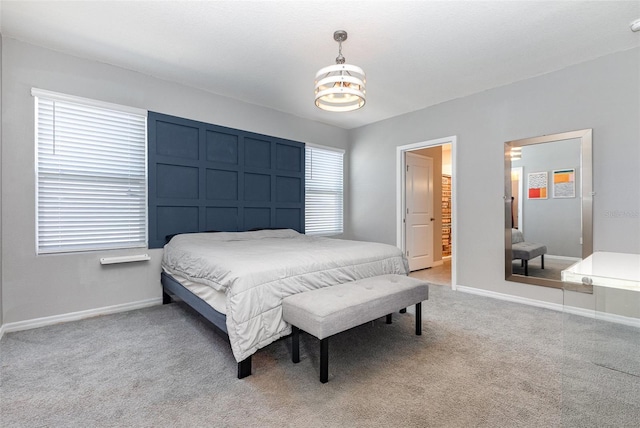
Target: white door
419, 211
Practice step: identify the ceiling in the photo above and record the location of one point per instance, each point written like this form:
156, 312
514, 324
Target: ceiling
415, 53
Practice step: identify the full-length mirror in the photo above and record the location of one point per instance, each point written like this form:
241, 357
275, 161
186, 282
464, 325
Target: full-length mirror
548, 206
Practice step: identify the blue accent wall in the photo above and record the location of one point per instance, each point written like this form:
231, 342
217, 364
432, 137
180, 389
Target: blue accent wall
205, 177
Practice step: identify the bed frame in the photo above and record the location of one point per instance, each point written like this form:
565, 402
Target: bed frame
171, 287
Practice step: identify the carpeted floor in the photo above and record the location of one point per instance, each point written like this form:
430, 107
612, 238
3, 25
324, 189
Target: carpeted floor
480, 363
552, 267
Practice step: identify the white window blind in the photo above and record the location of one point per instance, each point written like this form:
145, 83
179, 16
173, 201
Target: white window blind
91, 175
323, 191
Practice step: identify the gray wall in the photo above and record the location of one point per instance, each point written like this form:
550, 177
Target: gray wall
554, 222
600, 94
1, 42
40, 286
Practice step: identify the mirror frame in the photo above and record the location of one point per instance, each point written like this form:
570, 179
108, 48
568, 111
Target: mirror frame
586, 194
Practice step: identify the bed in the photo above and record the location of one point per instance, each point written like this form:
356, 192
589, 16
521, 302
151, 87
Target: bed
237, 280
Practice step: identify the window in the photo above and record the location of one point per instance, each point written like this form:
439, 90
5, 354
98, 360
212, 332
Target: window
323, 191
91, 175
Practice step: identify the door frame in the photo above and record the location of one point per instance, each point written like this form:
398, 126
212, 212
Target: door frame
400, 196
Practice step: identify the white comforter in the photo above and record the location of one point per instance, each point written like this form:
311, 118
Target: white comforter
257, 270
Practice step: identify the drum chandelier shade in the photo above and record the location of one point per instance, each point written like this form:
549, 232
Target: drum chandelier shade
340, 87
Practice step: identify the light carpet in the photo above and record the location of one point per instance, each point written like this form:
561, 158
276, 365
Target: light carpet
552, 268
480, 363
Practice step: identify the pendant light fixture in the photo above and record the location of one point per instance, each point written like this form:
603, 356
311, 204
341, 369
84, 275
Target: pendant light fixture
340, 87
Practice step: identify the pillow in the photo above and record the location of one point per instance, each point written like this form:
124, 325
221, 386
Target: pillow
169, 237
516, 236
235, 236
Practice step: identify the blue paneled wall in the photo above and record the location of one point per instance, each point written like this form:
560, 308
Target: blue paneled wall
204, 177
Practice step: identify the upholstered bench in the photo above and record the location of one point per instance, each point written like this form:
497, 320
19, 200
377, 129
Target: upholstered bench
331, 310
526, 251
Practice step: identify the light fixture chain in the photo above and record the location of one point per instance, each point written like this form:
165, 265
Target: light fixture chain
340, 59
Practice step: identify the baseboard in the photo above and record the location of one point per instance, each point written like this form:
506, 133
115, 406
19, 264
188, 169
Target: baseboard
567, 258
76, 316
1, 331
603, 316
510, 298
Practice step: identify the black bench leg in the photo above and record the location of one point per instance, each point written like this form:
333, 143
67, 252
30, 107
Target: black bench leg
526, 268
244, 368
324, 360
542, 260
166, 298
295, 344
403, 310
419, 319
389, 319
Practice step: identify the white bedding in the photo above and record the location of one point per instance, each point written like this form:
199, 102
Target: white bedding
257, 270
214, 298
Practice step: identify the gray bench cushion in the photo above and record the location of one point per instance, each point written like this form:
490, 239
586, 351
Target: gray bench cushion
527, 250
331, 310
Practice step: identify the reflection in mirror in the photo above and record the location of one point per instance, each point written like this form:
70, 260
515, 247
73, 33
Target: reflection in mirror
516, 195
548, 204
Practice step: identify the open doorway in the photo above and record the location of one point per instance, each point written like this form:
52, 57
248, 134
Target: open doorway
426, 209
